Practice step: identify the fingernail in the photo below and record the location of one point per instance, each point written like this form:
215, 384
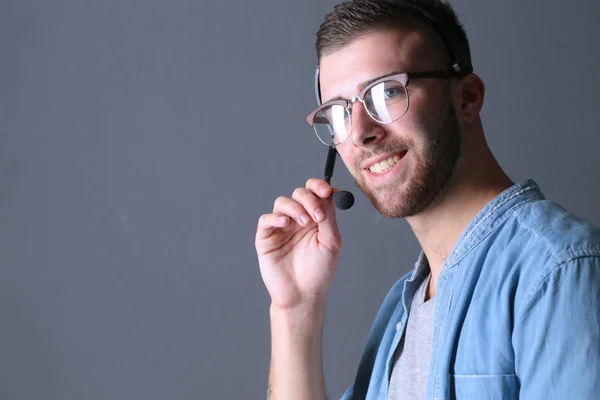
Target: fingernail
319, 215
323, 190
304, 219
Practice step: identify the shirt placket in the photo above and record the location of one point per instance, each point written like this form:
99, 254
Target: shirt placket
410, 288
438, 383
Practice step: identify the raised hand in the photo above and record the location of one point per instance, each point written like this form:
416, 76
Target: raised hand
298, 246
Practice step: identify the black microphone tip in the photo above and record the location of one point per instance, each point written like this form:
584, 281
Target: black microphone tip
343, 199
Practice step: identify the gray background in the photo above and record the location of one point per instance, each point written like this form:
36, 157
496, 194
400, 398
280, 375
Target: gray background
140, 140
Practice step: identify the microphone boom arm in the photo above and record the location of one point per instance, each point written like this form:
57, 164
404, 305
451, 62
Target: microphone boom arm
342, 199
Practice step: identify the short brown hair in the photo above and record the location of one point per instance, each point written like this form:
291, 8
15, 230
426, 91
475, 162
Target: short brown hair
354, 18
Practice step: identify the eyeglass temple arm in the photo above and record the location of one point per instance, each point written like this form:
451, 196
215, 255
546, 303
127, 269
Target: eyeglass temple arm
330, 163
431, 74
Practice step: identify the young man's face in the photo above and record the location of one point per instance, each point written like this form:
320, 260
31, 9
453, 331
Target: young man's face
426, 139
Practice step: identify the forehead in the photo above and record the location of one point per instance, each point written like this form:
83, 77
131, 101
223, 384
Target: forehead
368, 57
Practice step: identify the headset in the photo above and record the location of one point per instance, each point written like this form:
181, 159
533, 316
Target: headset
460, 66
343, 199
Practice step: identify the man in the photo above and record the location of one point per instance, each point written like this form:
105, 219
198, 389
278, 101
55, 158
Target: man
504, 301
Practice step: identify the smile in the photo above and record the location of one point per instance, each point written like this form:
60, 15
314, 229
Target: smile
385, 165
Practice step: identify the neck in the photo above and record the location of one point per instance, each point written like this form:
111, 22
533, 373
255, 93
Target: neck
475, 183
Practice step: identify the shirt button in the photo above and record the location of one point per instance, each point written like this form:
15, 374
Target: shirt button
399, 326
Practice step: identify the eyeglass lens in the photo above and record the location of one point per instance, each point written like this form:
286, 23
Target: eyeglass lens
385, 102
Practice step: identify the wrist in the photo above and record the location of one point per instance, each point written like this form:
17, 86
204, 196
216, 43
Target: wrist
305, 318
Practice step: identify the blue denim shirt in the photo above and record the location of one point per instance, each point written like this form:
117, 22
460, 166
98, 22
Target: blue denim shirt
517, 311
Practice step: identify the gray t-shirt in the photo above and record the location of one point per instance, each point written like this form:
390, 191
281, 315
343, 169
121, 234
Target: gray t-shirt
411, 365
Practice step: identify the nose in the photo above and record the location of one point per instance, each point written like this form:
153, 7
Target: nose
365, 130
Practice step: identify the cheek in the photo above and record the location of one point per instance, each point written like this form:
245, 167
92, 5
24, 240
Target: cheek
426, 105
425, 122
344, 157
411, 130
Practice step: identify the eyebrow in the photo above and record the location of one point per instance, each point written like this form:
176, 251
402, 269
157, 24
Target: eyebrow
364, 84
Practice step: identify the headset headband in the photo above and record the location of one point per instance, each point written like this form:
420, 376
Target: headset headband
459, 67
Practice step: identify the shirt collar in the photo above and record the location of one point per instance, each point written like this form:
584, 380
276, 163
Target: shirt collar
485, 221
491, 215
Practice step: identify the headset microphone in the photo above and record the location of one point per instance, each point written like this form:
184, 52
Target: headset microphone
342, 199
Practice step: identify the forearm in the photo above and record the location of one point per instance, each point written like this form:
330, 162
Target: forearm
296, 354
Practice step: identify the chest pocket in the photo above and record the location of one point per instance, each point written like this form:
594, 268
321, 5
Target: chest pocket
484, 387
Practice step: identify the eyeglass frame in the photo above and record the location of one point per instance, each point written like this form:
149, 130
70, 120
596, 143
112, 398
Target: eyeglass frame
403, 77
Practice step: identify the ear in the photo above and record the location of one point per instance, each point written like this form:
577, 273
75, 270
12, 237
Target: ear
469, 93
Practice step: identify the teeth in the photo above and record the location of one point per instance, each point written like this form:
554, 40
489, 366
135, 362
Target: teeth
384, 165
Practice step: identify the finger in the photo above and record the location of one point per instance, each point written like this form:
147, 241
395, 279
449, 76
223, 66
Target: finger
319, 187
267, 223
291, 208
328, 229
329, 232
313, 205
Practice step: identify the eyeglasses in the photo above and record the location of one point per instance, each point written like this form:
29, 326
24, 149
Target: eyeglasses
385, 100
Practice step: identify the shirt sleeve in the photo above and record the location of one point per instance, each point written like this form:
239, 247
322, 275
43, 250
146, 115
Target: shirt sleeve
556, 336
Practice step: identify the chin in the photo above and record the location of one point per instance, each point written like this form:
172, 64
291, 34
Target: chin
394, 201
411, 196
400, 203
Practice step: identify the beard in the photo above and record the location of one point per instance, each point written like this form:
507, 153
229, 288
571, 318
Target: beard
432, 170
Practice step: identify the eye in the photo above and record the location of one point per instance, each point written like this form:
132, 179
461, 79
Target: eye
390, 93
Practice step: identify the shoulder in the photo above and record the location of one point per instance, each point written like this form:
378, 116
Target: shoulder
539, 241
560, 252
562, 233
